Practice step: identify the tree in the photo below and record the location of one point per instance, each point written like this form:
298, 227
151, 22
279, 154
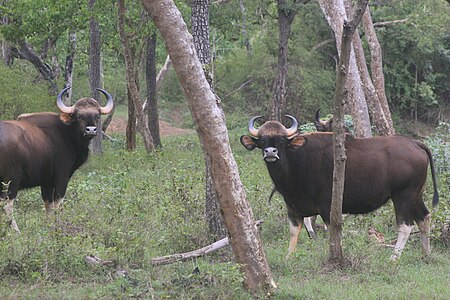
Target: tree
132, 86
287, 10
94, 71
335, 14
340, 157
200, 35
151, 109
68, 70
210, 126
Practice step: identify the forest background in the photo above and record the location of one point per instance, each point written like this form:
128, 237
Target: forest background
415, 40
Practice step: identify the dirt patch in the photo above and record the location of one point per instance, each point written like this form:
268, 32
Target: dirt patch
118, 125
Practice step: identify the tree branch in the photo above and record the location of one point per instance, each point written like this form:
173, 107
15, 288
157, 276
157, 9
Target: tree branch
386, 23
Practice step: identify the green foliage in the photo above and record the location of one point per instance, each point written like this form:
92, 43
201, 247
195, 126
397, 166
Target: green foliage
20, 94
416, 55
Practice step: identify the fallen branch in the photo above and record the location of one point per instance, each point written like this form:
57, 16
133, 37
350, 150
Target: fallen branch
96, 261
169, 259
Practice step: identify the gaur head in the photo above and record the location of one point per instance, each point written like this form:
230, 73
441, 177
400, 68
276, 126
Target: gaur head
273, 138
85, 113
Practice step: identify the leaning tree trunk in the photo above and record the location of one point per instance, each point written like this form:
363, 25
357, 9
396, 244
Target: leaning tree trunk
211, 128
200, 35
376, 66
340, 156
151, 109
132, 87
335, 14
94, 72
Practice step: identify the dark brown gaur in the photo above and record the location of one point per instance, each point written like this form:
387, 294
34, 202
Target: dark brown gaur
377, 169
45, 149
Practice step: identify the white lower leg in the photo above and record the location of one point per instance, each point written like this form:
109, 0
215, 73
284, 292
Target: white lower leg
309, 226
8, 209
425, 231
403, 234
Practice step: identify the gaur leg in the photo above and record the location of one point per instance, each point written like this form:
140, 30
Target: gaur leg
425, 230
295, 228
8, 194
404, 231
309, 224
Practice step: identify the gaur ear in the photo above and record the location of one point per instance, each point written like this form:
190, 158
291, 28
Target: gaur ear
298, 141
66, 118
248, 142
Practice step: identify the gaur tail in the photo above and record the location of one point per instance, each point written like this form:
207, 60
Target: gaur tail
433, 173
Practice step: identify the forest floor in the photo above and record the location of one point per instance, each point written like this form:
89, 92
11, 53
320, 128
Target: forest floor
119, 124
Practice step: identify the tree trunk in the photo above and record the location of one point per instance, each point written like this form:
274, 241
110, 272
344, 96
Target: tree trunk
131, 124
200, 35
159, 79
94, 72
335, 14
210, 126
132, 87
376, 66
5, 45
285, 17
68, 75
373, 102
152, 101
340, 156
244, 26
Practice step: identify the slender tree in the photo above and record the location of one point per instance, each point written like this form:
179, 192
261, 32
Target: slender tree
132, 86
340, 157
94, 70
210, 126
68, 70
151, 109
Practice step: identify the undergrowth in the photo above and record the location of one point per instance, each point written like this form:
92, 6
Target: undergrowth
129, 207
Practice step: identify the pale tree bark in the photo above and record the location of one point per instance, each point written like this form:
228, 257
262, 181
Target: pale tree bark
132, 86
5, 45
94, 72
152, 101
376, 66
244, 26
340, 156
373, 102
68, 74
335, 14
210, 126
200, 35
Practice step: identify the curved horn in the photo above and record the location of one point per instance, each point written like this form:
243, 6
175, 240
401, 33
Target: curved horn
318, 120
62, 107
294, 127
109, 104
251, 126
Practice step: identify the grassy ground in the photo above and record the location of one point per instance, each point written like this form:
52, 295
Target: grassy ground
130, 207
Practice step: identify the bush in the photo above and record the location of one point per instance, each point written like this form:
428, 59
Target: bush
21, 94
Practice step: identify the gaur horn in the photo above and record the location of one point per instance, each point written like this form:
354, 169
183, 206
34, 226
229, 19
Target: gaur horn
251, 126
294, 127
109, 104
62, 107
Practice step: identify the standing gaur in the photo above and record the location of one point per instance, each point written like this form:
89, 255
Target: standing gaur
45, 149
377, 169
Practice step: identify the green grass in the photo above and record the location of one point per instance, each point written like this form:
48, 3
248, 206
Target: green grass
131, 207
